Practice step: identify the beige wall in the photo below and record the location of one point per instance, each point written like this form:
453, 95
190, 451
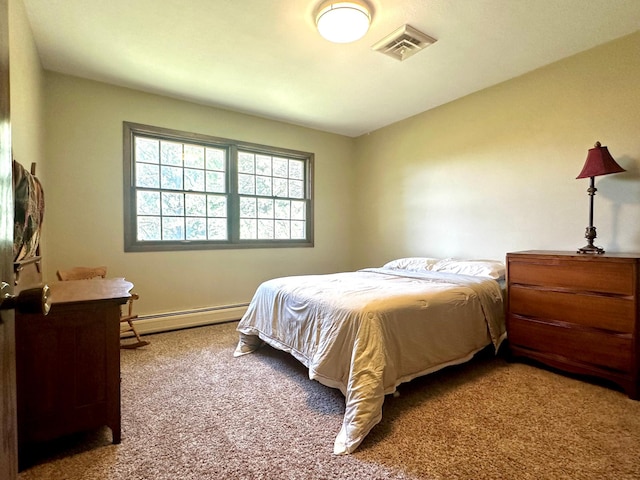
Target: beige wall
495, 171
490, 173
84, 145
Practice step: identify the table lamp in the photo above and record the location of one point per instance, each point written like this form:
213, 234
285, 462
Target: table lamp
599, 162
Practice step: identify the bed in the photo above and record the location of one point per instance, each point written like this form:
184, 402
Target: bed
366, 332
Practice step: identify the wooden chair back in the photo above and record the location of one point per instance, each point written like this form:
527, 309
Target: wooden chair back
82, 273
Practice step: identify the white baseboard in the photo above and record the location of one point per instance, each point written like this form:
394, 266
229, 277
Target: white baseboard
164, 322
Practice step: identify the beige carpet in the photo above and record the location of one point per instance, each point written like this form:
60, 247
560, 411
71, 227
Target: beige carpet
192, 411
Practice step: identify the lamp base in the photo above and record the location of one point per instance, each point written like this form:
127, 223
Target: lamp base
590, 235
591, 249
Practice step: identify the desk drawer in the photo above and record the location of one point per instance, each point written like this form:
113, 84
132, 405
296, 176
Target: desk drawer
605, 277
588, 346
608, 313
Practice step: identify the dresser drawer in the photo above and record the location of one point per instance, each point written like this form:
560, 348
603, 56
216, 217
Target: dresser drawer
606, 277
588, 346
604, 312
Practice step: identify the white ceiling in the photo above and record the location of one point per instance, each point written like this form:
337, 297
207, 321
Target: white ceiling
265, 57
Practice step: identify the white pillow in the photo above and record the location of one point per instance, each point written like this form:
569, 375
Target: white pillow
477, 268
413, 264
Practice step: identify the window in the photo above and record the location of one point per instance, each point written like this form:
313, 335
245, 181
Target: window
185, 191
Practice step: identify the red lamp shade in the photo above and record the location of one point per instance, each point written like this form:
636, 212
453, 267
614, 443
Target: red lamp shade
599, 162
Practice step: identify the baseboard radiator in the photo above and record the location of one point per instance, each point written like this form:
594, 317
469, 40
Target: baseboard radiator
197, 317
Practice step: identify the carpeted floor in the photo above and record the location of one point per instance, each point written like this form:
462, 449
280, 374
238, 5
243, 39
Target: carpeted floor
192, 411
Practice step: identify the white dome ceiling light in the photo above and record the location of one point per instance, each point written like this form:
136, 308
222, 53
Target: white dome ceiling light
343, 22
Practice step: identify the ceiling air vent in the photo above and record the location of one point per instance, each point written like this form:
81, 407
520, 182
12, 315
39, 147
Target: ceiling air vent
403, 43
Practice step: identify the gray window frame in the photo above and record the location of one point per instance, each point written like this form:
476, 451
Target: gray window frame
131, 244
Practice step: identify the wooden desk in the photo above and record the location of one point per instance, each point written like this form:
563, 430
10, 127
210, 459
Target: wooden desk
68, 362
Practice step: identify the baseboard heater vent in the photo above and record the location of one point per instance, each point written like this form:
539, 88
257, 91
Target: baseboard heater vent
164, 322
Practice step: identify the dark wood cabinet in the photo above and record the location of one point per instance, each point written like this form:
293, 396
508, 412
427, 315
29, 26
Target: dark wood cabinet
68, 362
577, 313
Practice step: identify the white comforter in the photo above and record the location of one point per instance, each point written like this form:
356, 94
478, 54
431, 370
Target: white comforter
366, 332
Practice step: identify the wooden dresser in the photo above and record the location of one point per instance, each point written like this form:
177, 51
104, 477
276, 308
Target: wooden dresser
68, 362
576, 312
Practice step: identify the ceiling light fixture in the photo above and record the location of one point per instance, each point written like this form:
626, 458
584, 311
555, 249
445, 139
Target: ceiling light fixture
343, 22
